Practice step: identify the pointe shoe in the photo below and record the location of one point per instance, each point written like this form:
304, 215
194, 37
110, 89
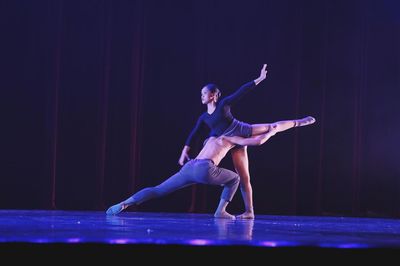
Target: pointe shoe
311, 119
304, 122
115, 209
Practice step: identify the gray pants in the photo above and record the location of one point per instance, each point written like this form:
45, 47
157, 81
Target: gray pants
201, 171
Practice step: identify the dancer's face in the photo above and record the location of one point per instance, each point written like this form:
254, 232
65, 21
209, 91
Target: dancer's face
206, 96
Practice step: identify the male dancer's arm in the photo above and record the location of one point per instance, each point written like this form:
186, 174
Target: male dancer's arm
251, 141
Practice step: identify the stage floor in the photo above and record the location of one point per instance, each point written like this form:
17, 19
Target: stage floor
32, 227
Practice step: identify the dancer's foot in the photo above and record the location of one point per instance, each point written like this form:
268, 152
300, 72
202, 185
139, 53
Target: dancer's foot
246, 215
304, 121
224, 215
117, 208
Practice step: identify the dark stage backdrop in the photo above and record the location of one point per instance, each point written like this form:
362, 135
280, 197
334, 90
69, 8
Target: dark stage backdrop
98, 97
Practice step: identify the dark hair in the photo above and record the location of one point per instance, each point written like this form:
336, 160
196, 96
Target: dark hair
213, 89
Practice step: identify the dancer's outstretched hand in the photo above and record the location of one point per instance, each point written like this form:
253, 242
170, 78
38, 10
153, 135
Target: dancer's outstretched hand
263, 74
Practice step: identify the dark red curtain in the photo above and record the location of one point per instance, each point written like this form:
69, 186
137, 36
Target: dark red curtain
98, 97
72, 72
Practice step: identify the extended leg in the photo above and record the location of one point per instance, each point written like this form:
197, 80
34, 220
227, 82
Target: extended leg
283, 125
173, 183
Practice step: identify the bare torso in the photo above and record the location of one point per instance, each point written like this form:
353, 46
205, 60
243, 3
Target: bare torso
215, 149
